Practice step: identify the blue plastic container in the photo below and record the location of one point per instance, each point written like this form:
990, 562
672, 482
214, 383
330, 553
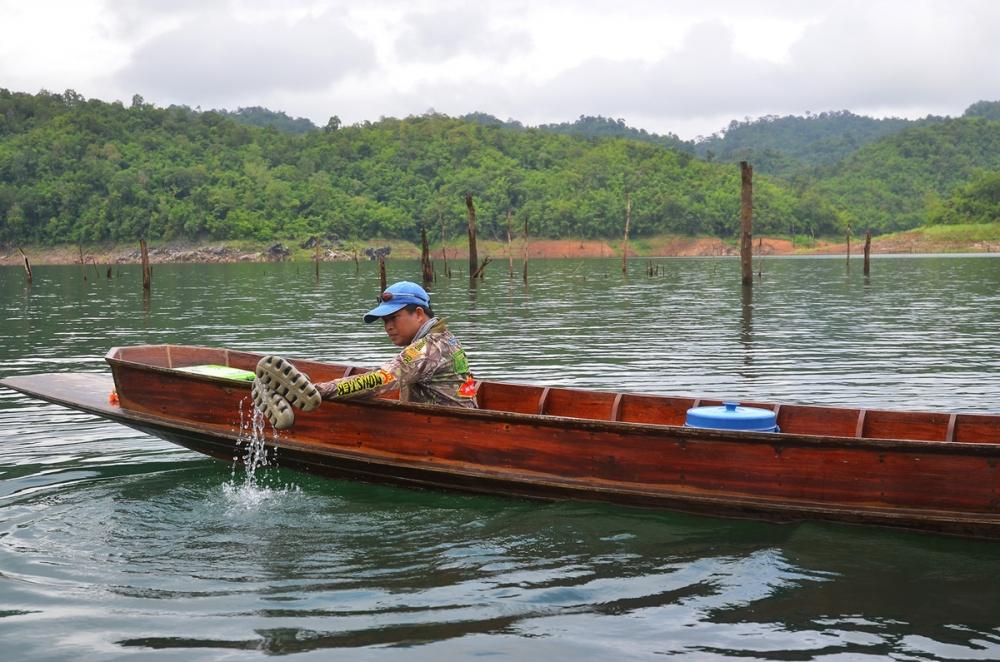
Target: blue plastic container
731, 416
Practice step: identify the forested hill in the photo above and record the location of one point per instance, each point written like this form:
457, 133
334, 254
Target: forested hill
986, 109
795, 145
83, 170
605, 127
73, 169
257, 116
903, 180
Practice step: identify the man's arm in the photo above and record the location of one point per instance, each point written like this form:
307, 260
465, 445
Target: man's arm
408, 367
368, 384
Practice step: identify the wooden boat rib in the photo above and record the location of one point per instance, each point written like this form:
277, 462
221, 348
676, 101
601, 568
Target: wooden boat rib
929, 471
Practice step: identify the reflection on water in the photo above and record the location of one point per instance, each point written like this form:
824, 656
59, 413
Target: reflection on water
746, 330
113, 543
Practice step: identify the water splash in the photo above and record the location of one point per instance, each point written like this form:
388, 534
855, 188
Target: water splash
252, 442
252, 453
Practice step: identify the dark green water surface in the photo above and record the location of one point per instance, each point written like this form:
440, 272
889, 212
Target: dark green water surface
116, 545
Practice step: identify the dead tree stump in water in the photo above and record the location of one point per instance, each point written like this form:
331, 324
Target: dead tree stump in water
425, 257
316, 257
147, 271
628, 221
525, 275
760, 258
481, 271
746, 222
381, 273
27, 266
473, 253
868, 252
444, 249
848, 246
510, 251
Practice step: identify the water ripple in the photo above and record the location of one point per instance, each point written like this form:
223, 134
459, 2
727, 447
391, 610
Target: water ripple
114, 544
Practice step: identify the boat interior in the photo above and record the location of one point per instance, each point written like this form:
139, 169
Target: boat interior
623, 407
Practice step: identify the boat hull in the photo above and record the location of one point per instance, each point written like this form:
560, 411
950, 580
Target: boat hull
946, 487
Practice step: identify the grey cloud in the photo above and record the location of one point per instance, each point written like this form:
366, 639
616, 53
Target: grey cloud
857, 55
128, 17
701, 77
872, 59
438, 36
857, 60
217, 59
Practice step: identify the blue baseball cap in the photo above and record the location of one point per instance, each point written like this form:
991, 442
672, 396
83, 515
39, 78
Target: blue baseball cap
398, 296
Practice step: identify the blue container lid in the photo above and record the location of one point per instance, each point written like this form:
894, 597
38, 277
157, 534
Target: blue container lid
731, 416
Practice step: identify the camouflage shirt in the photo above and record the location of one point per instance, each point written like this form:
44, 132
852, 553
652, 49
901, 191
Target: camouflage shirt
432, 369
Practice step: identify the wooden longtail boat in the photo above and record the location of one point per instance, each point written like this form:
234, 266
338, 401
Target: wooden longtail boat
929, 471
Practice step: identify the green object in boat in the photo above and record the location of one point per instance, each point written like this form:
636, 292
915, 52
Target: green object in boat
220, 371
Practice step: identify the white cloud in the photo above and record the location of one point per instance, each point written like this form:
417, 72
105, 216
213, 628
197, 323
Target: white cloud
686, 66
54, 47
891, 55
441, 35
220, 59
875, 57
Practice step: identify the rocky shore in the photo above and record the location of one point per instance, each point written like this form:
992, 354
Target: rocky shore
162, 254
208, 254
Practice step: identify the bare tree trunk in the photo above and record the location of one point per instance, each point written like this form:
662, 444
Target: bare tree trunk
628, 222
868, 252
425, 257
444, 249
147, 272
525, 276
83, 264
481, 271
317, 260
473, 253
27, 265
381, 273
510, 251
746, 223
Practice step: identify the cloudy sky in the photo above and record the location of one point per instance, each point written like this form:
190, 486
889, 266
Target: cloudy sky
683, 66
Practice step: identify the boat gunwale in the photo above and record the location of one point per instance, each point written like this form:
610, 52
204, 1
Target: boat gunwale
732, 502
777, 439
975, 524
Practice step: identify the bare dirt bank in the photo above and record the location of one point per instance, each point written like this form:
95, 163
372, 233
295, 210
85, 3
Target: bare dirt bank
664, 246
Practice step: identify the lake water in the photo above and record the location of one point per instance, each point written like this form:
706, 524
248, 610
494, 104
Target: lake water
115, 545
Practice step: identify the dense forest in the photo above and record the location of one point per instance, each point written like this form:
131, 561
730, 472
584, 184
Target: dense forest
896, 183
605, 127
73, 169
793, 146
257, 116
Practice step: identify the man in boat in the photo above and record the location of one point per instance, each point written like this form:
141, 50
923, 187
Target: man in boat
431, 368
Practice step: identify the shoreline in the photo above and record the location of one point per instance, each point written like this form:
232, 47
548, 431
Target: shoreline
227, 252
